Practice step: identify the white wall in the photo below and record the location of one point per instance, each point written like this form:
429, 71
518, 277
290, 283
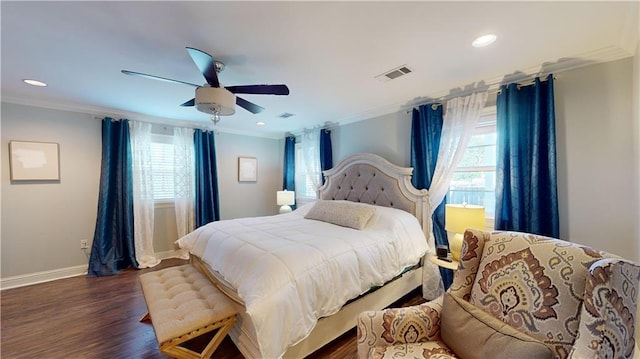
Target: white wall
42, 223
248, 199
388, 136
597, 158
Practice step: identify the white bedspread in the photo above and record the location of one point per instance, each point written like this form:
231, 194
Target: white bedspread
291, 271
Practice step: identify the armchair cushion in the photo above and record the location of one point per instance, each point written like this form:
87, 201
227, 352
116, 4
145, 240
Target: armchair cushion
397, 326
429, 350
473, 333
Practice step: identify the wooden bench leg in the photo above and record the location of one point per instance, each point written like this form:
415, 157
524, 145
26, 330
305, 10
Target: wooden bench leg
147, 316
173, 348
218, 338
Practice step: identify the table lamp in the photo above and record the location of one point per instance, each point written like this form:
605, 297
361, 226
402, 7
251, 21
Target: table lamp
459, 217
285, 199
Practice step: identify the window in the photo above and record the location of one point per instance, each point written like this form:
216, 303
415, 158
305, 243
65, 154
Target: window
474, 180
162, 167
305, 191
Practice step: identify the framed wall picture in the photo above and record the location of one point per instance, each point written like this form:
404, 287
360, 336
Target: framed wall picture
247, 169
34, 161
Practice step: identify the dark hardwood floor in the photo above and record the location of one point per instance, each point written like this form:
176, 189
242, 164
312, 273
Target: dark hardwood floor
84, 317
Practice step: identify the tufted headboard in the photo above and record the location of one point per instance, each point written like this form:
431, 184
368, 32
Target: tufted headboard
369, 178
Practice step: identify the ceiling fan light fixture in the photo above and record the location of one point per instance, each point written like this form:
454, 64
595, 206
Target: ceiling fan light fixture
212, 98
217, 101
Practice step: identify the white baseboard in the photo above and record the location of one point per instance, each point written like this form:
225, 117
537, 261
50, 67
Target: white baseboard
55, 274
41, 277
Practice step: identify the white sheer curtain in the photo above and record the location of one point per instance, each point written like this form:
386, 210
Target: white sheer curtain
143, 204
311, 154
184, 182
460, 118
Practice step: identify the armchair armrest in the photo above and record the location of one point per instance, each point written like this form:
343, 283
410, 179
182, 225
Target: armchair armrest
607, 324
414, 324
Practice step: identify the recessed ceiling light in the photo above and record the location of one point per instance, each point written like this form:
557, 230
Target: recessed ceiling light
34, 82
484, 40
260, 123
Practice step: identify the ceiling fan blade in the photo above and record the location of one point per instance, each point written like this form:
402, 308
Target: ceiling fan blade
139, 74
206, 65
260, 89
191, 102
249, 106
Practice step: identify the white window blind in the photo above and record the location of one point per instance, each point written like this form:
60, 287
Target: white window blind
162, 167
304, 184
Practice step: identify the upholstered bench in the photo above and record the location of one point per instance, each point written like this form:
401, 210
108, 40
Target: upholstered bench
183, 304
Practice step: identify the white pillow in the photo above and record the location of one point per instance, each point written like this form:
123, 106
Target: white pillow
342, 213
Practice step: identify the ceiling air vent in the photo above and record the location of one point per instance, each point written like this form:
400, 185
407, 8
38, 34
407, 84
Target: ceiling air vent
286, 115
394, 74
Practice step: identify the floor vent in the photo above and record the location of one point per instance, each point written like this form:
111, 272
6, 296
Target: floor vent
394, 74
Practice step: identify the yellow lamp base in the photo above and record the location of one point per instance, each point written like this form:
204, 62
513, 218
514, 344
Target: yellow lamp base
455, 245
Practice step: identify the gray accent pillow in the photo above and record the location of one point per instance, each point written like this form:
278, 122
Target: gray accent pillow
471, 333
342, 213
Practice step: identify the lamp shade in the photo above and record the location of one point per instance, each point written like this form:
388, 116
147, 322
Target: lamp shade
285, 198
215, 99
459, 217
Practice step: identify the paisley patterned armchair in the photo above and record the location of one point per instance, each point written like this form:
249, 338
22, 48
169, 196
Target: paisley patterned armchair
516, 295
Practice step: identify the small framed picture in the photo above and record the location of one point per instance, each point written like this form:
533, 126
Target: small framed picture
34, 161
247, 169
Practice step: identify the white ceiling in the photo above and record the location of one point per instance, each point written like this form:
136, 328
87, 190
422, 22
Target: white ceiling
328, 53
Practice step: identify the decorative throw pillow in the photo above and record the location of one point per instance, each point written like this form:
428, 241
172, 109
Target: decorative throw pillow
343, 213
470, 333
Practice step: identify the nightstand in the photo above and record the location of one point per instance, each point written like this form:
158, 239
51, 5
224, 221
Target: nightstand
453, 265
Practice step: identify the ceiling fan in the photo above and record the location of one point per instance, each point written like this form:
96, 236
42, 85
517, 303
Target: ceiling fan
212, 98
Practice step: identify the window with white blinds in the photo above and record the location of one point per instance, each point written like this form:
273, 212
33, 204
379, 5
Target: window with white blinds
162, 167
304, 184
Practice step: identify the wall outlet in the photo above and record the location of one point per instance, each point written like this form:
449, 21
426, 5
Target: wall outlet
83, 244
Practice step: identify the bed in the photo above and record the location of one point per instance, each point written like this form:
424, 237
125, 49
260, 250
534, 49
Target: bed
299, 279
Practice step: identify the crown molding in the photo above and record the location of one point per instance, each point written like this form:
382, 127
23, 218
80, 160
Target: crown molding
102, 112
606, 54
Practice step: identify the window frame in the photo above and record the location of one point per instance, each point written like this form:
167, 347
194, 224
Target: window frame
299, 173
486, 124
164, 139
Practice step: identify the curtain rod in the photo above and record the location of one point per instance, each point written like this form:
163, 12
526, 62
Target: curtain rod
158, 123
493, 87
326, 126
